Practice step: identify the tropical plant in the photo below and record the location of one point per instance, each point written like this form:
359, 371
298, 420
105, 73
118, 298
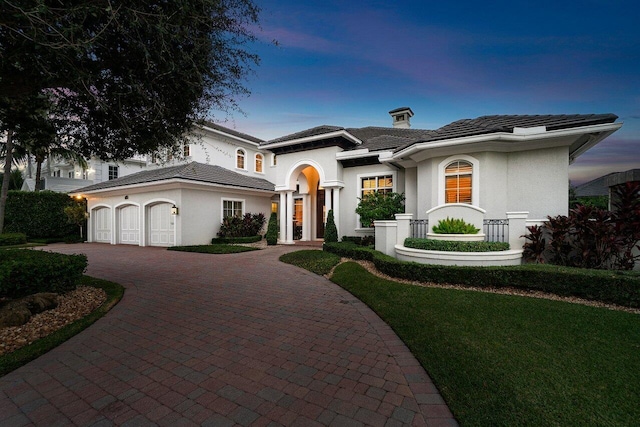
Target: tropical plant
330, 231
378, 206
77, 215
591, 237
242, 226
454, 226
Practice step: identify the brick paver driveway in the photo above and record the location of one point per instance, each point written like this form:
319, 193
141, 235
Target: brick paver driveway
222, 340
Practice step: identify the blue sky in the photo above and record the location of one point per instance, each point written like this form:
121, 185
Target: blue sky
347, 63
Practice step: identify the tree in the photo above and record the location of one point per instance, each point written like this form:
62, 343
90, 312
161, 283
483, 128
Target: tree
272, 230
119, 78
379, 206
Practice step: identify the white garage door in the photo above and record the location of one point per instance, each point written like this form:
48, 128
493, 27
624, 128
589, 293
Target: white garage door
129, 225
161, 225
102, 225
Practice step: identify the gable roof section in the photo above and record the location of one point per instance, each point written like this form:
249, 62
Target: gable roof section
194, 171
595, 187
233, 132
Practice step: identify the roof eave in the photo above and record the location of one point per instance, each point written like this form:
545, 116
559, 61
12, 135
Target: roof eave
603, 129
334, 134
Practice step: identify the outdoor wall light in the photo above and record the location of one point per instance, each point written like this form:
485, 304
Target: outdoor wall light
174, 210
126, 197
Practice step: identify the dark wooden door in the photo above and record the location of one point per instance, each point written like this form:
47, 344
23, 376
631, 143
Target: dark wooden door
320, 214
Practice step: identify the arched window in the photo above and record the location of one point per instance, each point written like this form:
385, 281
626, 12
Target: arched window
457, 175
259, 161
240, 155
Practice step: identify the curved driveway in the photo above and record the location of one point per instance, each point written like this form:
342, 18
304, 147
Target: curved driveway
222, 340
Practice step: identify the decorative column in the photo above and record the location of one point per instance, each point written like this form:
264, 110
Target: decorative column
328, 196
289, 219
283, 216
336, 209
517, 227
404, 227
306, 217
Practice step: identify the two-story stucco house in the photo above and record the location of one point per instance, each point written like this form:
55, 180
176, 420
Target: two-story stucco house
497, 163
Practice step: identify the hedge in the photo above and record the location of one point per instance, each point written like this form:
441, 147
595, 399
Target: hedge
231, 240
611, 287
25, 272
38, 214
8, 239
453, 246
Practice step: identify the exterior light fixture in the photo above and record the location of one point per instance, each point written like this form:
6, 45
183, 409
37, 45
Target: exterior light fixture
174, 210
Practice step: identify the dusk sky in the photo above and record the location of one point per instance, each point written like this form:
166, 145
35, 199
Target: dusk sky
347, 63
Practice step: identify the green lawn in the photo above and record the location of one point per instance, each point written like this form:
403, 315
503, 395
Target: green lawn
213, 249
14, 360
502, 360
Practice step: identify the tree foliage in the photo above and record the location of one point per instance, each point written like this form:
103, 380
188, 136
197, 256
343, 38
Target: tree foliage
330, 231
379, 206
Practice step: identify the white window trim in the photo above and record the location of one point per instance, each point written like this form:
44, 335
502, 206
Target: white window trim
255, 163
475, 178
246, 155
244, 205
394, 178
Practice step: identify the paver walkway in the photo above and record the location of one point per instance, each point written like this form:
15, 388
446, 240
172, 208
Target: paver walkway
222, 340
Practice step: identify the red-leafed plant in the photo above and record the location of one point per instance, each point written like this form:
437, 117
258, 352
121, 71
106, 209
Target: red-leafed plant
591, 237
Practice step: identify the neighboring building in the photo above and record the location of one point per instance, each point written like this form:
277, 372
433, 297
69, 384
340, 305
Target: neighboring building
497, 163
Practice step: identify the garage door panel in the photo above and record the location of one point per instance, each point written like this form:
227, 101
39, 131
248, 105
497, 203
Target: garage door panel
129, 225
102, 225
161, 225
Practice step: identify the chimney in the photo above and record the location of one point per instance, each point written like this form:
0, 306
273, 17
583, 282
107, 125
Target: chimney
401, 117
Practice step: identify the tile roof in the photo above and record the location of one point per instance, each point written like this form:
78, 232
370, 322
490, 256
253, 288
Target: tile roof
383, 138
233, 132
318, 130
194, 171
595, 187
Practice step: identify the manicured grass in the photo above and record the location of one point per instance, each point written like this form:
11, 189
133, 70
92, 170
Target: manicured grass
504, 360
14, 360
318, 262
213, 249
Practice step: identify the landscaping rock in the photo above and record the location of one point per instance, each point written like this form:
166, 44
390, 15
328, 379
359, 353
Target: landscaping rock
18, 312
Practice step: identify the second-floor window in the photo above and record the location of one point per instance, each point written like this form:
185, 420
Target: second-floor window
113, 172
240, 159
259, 161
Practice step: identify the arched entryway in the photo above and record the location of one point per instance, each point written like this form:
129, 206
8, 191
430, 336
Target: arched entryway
304, 203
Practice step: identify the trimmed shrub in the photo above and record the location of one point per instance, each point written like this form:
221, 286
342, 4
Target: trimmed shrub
231, 240
39, 215
620, 287
272, 230
360, 240
25, 272
246, 226
330, 231
8, 239
454, 226
452, 246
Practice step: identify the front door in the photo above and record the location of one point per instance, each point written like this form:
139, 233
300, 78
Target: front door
298, 207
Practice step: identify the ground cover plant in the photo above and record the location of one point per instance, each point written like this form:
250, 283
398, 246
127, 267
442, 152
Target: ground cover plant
14, 360
509, 360
213, 249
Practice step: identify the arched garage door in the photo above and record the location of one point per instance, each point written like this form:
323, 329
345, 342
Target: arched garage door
102, 225
161, 225
129, 225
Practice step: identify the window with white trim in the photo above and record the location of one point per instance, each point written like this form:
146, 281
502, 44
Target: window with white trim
458, 182
371, 184
240, 158
232, 208
259, 162
186, 149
